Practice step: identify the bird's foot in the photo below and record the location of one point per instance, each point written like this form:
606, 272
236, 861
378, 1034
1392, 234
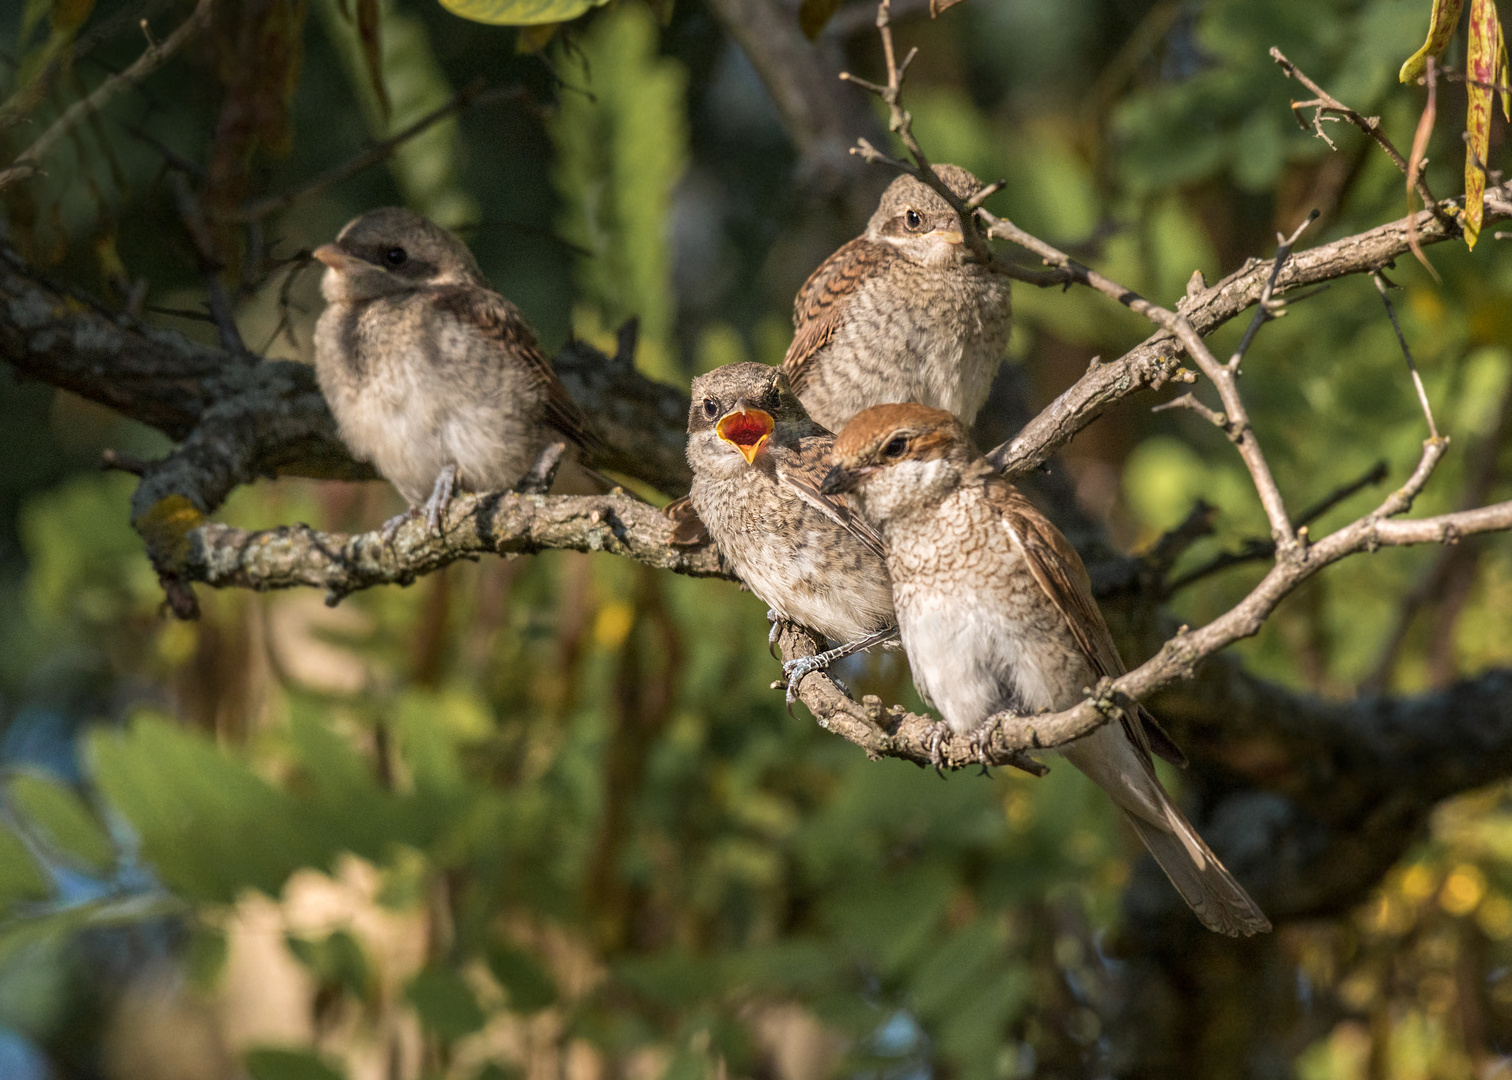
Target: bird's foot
978, 741
795, 671
934, 738
981, 744
775, 634
440, 499
390, 528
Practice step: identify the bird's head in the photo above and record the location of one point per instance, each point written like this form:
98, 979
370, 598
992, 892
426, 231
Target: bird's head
894, 460
919, 223
737, 413
393, 250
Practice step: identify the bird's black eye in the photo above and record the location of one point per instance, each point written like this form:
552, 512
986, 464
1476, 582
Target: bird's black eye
396, 256
895, 446
710, 408
912, 221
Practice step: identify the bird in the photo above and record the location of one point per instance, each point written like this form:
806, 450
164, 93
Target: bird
432, 376
902, 313
996, 614
757, 460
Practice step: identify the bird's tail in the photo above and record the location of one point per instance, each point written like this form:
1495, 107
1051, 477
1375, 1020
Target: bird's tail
1220, 902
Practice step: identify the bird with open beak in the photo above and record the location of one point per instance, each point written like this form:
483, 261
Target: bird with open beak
432, 376
902, 313
757, 461
996, 615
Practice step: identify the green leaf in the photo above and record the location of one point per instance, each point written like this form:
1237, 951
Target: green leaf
530, 988
61, 819
519, 12
270, 1064
20, 876
445, 1003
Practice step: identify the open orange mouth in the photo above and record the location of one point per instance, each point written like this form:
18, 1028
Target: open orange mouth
746, 429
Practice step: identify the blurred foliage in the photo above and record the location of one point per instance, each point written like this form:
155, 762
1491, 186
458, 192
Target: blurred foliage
545, 814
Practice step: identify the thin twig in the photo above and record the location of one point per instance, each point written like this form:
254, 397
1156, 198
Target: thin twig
1254, 549
1264, 312
1370, 125
28, 163
210, 266
1382, 284
474, 94
1187, 401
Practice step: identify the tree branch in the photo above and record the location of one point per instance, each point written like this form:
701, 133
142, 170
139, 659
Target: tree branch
28, 163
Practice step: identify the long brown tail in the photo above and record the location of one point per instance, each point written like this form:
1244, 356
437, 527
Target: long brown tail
1112, 761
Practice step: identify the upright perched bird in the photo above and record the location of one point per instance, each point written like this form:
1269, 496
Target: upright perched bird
431, 375
996, 615
757, 461
901, 313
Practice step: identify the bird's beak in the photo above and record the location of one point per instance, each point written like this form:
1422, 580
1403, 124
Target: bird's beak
333, 256
746, 428
839, 480
951, 236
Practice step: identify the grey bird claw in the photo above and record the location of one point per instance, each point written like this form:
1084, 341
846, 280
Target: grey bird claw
938, 733
440, 499
775, 633
390, 528
797, 670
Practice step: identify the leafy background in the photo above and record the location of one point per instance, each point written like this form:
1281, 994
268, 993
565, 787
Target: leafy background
544, 817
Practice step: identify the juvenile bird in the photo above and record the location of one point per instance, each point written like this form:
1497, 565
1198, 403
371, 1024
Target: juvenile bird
996, 615
432, 376
901, 313
757, 461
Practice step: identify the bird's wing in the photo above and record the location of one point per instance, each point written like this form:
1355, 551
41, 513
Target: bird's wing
803, 471
820, 304
501, 323
1061, 575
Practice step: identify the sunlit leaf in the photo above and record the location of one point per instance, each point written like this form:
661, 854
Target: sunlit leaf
1441, 23
519, 12
1481, 65
61, 818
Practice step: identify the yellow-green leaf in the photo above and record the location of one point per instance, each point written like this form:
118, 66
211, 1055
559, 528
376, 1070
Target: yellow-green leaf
519, 12
61, 818
1441, 26
1480, 71
20, 877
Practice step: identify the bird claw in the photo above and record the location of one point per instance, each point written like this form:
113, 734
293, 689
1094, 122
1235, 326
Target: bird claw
440, 499
938, 732
775, 634
795, 671
390, 528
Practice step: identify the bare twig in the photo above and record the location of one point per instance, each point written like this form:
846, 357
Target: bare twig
1418, 160
1382, 284
475, 94
1267, 308
1370, 125
210, 266
1254, 549
28, 163
1187, 401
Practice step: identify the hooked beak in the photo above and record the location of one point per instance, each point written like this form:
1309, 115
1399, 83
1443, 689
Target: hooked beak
332, 256
746, 428
840, 480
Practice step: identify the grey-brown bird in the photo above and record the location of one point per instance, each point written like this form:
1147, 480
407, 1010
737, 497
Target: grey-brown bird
902, 313
996, 615
432, 376
757, 461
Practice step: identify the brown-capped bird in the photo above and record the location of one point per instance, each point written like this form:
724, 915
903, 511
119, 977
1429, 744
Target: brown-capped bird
996, 615
432, 376
757, 461
901, 313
